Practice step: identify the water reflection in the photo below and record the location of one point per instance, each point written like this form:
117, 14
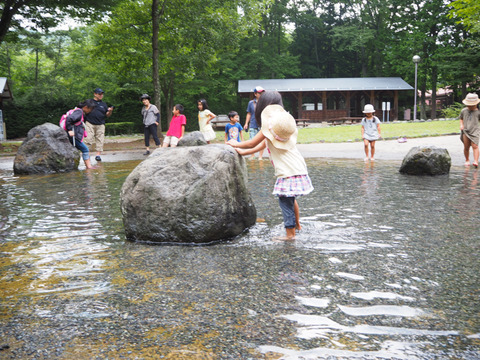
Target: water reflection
386, 266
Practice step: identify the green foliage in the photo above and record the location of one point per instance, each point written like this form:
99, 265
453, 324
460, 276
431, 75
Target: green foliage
453, 111
206, 47
468, 12
122, 128
46, 14
34, 109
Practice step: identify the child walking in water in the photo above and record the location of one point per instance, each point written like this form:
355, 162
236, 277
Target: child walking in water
370, 131
76, 129
279, 134
470, 128
204, 118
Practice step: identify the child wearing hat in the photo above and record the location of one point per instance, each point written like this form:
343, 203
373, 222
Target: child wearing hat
470, 129
279, 134
370, 131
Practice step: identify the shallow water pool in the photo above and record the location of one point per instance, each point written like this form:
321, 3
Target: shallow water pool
385, 267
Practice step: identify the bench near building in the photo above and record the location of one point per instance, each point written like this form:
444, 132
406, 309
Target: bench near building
335, 100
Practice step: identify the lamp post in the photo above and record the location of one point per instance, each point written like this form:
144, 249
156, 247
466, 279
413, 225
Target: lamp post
416, 60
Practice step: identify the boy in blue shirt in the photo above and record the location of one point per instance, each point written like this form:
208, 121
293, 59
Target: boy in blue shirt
233, 130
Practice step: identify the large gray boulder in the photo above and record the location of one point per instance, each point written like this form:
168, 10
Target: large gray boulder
426, 160
195, 138
46, 150
194, 194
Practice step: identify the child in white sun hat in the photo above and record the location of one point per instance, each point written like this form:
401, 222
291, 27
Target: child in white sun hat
279, 134
470, 128
370, 131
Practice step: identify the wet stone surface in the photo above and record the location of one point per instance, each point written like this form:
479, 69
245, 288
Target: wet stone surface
385, 267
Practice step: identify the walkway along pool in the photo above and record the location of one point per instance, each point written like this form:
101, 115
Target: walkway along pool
386, 267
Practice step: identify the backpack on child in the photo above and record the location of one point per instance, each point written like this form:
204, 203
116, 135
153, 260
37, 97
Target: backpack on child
63, 120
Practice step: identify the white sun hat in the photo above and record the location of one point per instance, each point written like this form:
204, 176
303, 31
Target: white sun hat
471, 99
368, 109
279, 127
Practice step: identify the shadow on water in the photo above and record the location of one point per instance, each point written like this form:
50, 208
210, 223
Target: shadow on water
385, 267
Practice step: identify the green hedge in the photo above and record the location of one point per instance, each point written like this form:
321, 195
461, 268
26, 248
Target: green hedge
122, 128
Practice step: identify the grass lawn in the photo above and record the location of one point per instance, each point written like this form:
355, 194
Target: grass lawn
346, 133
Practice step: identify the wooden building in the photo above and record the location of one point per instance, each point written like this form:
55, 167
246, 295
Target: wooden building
342, 99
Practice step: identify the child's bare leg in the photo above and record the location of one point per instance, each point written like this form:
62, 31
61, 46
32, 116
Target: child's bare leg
260, 155
365, 146
88, 164
296, 208
290, 233
466, 149
372, 150
476, 154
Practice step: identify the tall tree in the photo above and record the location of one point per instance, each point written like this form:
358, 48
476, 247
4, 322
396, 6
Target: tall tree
191, 34
45, 14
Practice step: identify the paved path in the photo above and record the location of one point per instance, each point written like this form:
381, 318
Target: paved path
385, 150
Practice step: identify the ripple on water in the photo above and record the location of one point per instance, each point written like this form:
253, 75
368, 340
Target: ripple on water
385, 267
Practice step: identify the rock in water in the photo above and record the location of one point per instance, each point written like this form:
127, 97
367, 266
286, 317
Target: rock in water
426, 160
46, 150
192, 194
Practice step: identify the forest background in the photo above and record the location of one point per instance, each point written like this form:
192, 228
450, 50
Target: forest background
179, 51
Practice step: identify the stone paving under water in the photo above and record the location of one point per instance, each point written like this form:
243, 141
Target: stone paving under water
385, 267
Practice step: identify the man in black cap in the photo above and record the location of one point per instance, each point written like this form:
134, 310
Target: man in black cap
95, 122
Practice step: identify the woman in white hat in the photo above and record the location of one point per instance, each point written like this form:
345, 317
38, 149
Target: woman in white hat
470, 128
370, 131
279, 134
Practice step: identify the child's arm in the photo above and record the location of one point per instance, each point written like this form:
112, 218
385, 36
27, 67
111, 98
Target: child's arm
210, 117
226, 137
257, 148
251, 143
183, 131
461, 123
363, 131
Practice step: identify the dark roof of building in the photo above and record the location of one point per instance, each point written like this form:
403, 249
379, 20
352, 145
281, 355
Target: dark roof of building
5, 92
331, 84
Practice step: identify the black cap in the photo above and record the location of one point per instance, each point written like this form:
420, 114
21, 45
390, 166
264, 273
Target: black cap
145, 96
98, 91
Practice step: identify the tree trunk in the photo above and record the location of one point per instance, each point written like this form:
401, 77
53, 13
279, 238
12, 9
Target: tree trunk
423, 111
464, 89
168, 91
9, 63
10, 8
433, 115
155, 68
36, 66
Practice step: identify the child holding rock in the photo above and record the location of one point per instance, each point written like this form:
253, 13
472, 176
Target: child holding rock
279, 134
